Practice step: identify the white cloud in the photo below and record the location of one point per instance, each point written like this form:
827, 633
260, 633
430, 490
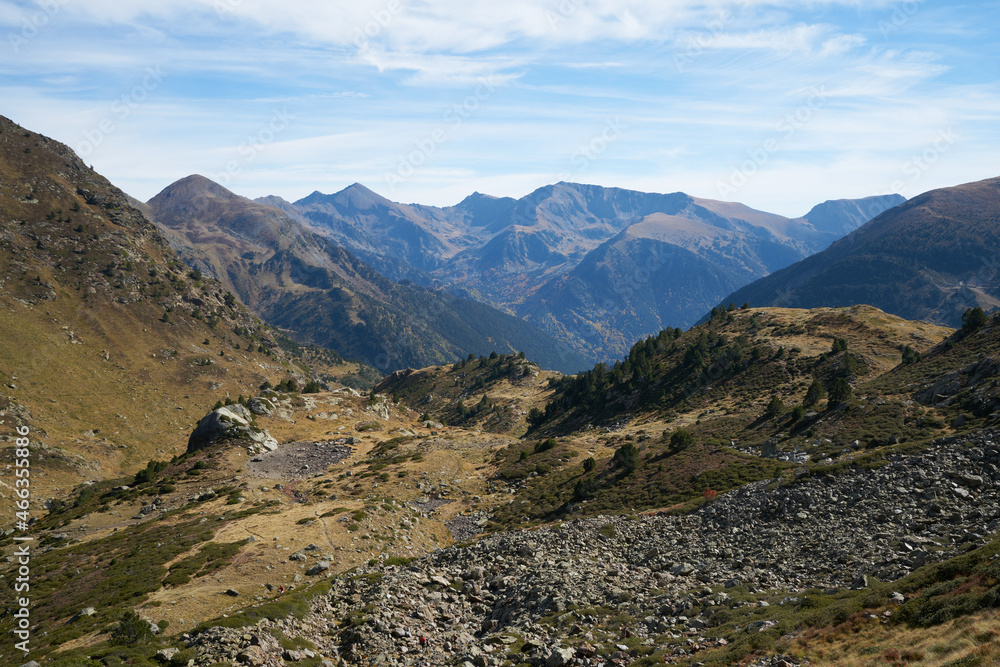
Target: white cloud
559, 75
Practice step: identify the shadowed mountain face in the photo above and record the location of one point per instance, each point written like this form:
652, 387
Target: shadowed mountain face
596, 267
930, 259
306, 283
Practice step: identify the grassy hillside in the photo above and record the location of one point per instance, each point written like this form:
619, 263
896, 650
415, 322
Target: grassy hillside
493, 394
930, 258
725, 403
113, 347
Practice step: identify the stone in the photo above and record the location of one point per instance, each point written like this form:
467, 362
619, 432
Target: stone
254, 656
682, 569
559, 657
231, 422
318, 568
86, 611
260, 406
165, 654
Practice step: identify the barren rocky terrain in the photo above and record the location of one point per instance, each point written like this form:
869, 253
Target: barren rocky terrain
608, 590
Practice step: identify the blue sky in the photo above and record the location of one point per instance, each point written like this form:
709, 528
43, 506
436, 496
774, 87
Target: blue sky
778, 104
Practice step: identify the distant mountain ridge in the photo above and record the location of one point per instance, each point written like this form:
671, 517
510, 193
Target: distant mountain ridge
308, 284
596, 267
930, 258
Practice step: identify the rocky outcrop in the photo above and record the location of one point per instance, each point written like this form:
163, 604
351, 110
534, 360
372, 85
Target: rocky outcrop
232, 422
260, 406
974, 386
544, 596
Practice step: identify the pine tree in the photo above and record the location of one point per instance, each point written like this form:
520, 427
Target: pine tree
680, 439
814, 394
973, 320
840, 391
774, 407
626, 457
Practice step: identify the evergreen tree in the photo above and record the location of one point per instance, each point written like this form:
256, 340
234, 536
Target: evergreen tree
680, 439
774, 407
814, 394
535, 416
973, 320
850, 365
626, 458
840, 391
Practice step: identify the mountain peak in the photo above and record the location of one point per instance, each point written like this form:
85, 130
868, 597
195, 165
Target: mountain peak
355, 196
845, 215
192, 186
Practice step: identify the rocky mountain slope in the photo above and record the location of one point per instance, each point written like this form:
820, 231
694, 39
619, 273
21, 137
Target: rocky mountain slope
354, 536
753, 568
494, 394
307, 284
772, 487
112, 346
930, 259
596, 267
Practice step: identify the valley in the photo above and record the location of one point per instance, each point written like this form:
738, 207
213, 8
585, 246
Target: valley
597, 268
213, 481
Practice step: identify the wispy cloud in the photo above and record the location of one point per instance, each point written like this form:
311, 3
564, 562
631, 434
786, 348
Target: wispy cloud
367, 81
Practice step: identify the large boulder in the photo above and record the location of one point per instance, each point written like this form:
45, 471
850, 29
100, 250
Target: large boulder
261, 406
232, 422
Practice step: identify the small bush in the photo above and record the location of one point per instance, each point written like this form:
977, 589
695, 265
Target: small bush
680, 440
544, 445
131, 630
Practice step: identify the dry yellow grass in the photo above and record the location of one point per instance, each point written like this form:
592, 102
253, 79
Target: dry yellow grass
972, 640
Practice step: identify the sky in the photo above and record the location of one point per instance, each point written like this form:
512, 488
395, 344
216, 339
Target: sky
778, 104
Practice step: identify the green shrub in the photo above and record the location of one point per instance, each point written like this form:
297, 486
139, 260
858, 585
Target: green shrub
544, 445
680, 440
131, 630
401, 561
626, 458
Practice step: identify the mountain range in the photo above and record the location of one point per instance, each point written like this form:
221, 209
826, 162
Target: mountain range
309, 285
931, 258
595, 267
773, 486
